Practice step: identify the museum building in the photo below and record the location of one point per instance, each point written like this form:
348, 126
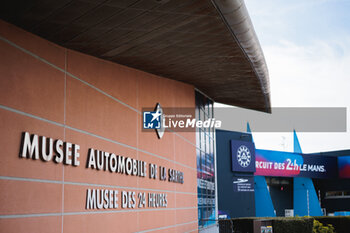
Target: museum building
75, 78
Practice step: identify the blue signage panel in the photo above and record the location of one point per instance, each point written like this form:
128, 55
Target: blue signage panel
319, 166
243, 156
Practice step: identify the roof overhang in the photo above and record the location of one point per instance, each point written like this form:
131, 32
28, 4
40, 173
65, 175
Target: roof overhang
209, 44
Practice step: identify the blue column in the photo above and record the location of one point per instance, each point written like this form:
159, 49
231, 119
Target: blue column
263, 202
305, 199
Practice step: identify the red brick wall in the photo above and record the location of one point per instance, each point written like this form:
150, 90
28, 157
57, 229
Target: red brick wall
51, 91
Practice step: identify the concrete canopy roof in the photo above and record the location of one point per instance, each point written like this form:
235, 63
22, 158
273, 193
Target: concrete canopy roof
209, 44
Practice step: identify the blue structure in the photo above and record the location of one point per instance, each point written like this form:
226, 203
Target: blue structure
263, 202
280, 181
305, 199
342, 213
232, 203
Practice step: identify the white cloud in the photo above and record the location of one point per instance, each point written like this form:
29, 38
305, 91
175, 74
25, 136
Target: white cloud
314, 75
309, 75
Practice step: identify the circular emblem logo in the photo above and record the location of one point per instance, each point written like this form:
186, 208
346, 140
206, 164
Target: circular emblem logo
243, 156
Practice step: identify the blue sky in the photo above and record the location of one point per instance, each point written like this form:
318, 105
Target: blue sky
306, 44
301, 21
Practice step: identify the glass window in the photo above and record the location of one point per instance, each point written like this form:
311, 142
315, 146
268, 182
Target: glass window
205, 164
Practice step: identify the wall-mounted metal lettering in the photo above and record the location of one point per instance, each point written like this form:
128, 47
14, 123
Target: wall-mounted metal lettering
35, 147
48, 149
106, 161
109, 199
